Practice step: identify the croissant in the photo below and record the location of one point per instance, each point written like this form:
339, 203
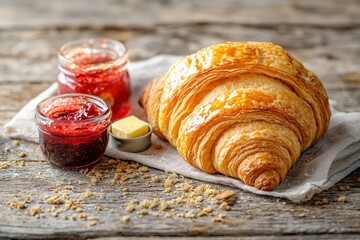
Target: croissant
243, 109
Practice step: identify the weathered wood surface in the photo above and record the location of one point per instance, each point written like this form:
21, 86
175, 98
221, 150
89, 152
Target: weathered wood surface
324, 35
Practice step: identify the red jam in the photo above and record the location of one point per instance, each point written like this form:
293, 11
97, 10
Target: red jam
73, 129
96, 67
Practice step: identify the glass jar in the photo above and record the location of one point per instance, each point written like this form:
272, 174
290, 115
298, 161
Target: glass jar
96, 67
73, 129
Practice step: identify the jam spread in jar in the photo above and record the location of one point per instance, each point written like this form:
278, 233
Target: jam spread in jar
96, 67
73, 129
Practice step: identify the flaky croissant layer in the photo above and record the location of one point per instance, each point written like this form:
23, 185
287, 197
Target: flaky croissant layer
243, 109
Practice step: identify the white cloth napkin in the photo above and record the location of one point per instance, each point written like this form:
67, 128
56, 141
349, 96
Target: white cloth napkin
319, 168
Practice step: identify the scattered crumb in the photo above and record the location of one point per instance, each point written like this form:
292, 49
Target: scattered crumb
342, 199
227, 195
35, 211
125, 218
169, 182
15, 142
130, 206
143, 169
145, 204
92, 223
205, 211
218, 218
98, 208
343, 188
4, 165
94, 180
22, 154
321, 202
57, 199
224, 206
7, 149
16, 204
155, 179
143, 212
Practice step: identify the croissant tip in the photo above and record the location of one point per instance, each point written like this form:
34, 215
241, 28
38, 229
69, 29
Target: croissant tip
267, 180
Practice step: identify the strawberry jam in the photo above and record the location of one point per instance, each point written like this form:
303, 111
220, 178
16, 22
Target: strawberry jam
73, 129
96, 67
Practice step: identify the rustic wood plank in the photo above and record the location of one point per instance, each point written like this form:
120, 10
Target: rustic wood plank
31, 55
272, 216
125, 14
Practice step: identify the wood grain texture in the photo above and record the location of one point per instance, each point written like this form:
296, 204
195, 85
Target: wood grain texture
323, 35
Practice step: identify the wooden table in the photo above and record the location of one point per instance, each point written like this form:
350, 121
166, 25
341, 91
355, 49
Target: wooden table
324, 35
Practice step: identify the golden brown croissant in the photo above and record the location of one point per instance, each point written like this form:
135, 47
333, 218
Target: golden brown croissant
243, 109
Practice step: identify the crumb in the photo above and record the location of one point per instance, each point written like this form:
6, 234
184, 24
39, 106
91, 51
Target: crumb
227, 195
16, 204
186, 187
342, 199
343, 188
143, 169
15, 142
130, 206
167, 190
217, 218
145, 204
210, 191
7, 149
164, 205
98, 208
94, 180
205, 211
134, 175
82, 215
199, 199
143, 212
155, 179
4, 165
321, 202
169, 182
35, 211
22, 154
66, 217
146, 177
55, 200
224, 206
92, 223
189, 215
125, 218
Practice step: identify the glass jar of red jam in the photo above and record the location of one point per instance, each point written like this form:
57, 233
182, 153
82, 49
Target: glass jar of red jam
96, 67
73, 129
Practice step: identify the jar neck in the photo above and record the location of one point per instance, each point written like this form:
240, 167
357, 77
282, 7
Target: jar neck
48, 112
91, 56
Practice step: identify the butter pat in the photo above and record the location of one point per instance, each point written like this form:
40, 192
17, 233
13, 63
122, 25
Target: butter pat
129, 127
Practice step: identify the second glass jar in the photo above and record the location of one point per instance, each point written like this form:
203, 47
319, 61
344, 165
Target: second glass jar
96, 67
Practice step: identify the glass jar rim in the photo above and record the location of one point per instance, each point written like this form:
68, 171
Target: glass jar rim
41, 118
121, 49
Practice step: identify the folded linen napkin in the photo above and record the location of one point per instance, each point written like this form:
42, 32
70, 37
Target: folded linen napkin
319, 168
